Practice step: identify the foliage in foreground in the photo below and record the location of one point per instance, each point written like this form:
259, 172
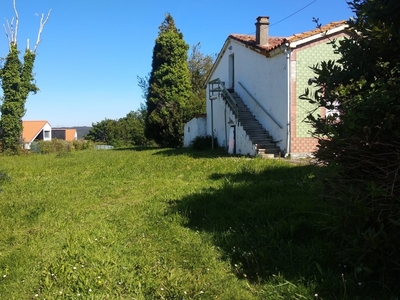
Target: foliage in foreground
360, 141
165, 224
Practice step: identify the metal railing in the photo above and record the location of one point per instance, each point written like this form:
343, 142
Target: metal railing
263, 109
217, 86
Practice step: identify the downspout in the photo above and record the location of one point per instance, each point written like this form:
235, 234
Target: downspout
289, 96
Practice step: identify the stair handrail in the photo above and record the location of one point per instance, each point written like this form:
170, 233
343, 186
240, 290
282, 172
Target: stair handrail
226, 95
263, 109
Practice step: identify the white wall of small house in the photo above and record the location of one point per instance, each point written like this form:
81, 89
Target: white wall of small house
46, 132
266, 78
194, 128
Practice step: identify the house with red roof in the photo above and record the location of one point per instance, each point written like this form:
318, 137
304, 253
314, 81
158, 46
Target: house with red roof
34, 131
253, 90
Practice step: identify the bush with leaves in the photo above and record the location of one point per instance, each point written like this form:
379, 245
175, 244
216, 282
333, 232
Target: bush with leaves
359, 139
201, 143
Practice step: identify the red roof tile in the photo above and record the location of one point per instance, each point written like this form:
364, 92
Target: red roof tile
275, 42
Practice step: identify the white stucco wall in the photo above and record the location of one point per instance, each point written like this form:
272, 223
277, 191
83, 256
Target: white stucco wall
266, 79
195, 127
47, 128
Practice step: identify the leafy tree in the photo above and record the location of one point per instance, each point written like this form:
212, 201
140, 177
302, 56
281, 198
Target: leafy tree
102, 131
199, 67
17, 81
359, 139
170, 90
126, 131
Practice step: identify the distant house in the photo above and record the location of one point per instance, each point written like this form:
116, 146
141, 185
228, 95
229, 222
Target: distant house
67, 134
34, 131
253, 90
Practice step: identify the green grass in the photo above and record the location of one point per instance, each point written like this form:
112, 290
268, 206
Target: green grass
162, 224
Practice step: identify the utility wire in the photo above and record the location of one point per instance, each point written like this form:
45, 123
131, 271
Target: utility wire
293, 13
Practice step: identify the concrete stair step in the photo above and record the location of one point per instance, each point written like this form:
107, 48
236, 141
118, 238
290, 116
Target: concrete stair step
266, 147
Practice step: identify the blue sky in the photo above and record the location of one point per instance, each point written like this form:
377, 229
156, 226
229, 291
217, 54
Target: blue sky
93, 50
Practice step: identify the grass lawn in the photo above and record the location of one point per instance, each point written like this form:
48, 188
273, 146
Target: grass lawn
161, 224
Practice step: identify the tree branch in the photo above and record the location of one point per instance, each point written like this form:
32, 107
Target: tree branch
14, 37
5, 30
42, 23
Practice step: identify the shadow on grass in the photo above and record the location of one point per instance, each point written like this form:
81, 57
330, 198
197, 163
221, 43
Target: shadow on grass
265, 222
218, 152
136, 148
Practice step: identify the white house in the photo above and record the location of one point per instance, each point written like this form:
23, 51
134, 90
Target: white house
253, 90
35, 130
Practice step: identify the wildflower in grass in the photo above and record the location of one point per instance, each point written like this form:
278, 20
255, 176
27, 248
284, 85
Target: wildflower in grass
5, 275
36, 295
90, 290
74, 268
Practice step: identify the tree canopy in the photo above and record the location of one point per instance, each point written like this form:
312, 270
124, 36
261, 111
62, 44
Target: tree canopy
169, 90
359, 139
126, 131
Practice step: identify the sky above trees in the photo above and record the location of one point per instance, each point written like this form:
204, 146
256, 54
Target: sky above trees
92, 51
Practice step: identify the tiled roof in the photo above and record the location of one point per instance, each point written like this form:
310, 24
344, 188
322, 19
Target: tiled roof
250, 40
275, 42
322, 29
30, 129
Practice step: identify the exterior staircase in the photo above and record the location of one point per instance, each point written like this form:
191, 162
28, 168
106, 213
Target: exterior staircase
265, 145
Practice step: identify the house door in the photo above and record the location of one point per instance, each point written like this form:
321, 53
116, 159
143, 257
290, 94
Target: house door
231, 83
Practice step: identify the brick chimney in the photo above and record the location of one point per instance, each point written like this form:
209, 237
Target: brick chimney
262, 30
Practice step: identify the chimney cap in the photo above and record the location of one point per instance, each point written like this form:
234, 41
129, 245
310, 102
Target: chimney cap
263, 19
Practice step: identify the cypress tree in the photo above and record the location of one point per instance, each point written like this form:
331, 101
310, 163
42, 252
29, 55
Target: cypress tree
170, 90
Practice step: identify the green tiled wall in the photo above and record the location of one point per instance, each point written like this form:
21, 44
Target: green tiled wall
307, 57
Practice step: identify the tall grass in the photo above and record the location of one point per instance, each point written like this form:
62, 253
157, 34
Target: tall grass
163, 224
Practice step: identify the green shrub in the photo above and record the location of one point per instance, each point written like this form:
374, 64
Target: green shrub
61, 146
201, 143
82, 144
